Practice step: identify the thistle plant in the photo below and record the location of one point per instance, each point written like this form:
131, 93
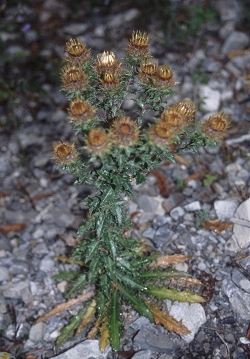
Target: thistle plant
122, 148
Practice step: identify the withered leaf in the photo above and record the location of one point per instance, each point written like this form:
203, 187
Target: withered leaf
87, 317
169, 323
94, 330
63, 258
70, 241
216, 225
161, 183
167, 260
64, 306
194, 176
38, 197
14, 227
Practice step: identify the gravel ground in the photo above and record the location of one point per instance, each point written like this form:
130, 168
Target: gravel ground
212, 68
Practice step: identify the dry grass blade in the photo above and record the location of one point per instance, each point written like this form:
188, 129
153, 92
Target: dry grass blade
169, 323
63, 258
15, 227
167, 260
70, 241
161, 183
64, 306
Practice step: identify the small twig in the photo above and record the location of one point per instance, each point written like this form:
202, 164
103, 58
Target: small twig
228, 351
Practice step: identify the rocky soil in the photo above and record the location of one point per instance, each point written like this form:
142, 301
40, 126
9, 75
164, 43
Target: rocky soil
44, 208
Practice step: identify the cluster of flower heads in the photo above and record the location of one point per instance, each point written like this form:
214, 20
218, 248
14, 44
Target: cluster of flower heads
123, 131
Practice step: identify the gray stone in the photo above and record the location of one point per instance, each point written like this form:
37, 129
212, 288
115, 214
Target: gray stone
149, 233
210, 98
238, 298
162, 235
19, 267
226, 29
121, 18
154, 338
225, 208
230, 10
60, 216
240, 231
147, 203
191, 315
173, 201
143, 354
75, 29
138, 323
46, 264
193, 206
177, 213
88, 349
4, 273
17, 290
37, 332
235, 41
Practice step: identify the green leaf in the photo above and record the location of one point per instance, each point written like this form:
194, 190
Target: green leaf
66, 275
93, 269
92, 249
137, 303
99, 225
169, 273
78, 285
174, 294
114, 322
131, 283
73, 324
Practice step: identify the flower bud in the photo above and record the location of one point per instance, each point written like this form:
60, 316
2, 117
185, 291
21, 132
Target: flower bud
73, 78
97, 141
215, 127
76, 51
80, 110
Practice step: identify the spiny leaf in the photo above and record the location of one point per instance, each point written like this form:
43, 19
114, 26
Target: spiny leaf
79, 284
137, 303
174, 294
170, 323
169, 273
92, 249
131, 283
104, 330
66, 275
114, 322
90, 310
73, 324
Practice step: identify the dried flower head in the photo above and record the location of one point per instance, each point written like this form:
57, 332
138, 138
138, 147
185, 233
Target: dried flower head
109, 81
64, 153
76, 51
80, 110
215, 127
161, 133
124, 132
97, 141
138, 45
73, 78
174, 118
107, 62
164, 76
148, 70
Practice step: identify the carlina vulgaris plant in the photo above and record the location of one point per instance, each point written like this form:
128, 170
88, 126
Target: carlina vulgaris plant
122, 150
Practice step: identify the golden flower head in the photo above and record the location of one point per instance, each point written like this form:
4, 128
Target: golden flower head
161, 133
124, 132
76, 51
138, 45
215, 127
186, 108
109, 81
164, 76
80, 110
106, 62
64, 153
73, 78
148, 70
97, 141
